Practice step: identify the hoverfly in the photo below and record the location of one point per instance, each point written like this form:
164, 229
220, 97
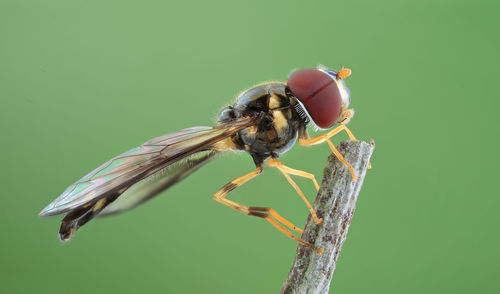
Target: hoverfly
265, 121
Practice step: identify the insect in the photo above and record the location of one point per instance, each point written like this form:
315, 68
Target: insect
265, 121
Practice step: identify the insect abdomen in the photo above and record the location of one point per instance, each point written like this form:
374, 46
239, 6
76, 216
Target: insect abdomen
80, 216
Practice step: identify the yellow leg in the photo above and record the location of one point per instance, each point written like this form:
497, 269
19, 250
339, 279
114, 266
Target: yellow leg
342, 159
286, 171
304, 141
285, 231
266, 213
322, 138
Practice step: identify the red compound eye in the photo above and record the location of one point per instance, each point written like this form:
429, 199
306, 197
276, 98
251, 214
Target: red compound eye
319, 94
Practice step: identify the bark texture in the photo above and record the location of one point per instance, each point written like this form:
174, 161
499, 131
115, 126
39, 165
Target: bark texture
335, 203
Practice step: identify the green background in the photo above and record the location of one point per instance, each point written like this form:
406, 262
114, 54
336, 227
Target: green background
82, 81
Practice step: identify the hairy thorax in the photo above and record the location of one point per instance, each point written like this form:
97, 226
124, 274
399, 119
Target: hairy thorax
277, 127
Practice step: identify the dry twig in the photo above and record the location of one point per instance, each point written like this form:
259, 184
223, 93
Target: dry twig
335, 203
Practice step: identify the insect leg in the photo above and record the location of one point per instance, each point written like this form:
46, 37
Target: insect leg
304, 140
221, 197
267, 217
321, 138
286, 171
266, 213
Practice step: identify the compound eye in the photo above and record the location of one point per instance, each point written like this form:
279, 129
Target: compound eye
319, 94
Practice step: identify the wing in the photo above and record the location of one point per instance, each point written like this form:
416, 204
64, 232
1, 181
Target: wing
158, 182
117, 175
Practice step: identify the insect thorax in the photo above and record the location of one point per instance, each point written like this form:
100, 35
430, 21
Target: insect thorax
276, 131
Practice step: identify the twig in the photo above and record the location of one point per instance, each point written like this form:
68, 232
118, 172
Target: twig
335, 203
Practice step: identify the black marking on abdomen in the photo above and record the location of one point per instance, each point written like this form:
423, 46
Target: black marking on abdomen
80, 216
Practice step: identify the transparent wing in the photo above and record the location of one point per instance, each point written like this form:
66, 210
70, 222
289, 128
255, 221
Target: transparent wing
158, 182
121, 172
